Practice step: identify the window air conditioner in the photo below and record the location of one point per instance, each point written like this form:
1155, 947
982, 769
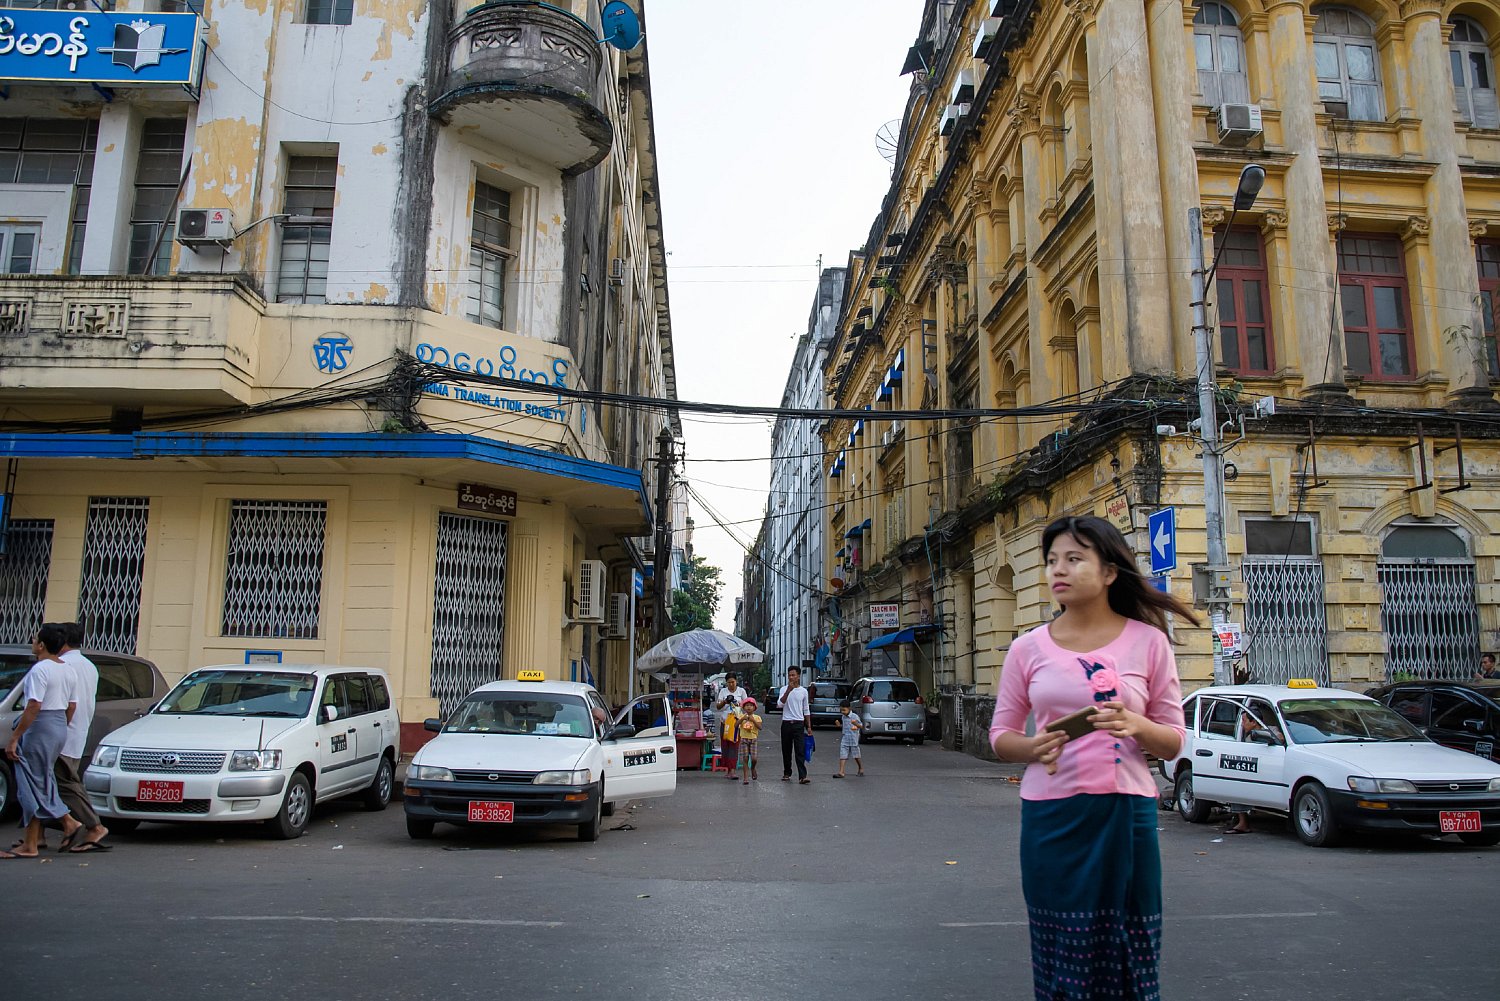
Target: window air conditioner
988, 29
617, 625
963, 87
617, 272
887, 438
198, 227
951, 115
590, 591
1238, 124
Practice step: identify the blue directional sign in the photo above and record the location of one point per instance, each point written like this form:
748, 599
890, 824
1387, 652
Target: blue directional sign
90, 46
1161, 533
636, 583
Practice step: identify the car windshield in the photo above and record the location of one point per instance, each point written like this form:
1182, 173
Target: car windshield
518, 713
1328, 721
241, 693
893, 691
829, 690
12, 671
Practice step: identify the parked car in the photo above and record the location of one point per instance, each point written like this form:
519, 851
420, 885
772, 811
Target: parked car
823, 698
128, 688
251, 743
534, 751
890, 706
1460, 714
768, 701
1331, 760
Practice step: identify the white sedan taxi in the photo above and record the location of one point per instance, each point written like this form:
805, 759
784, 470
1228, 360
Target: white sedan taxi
533, 751
1331, 760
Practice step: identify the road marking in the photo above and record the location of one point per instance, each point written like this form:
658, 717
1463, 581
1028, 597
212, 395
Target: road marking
489, 922
1170, 917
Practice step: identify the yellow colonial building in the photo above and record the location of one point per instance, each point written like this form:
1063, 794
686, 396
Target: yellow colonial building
294, 324
1033, 255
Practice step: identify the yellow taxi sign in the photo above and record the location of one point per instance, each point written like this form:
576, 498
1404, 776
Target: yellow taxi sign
1301, 683
532, 675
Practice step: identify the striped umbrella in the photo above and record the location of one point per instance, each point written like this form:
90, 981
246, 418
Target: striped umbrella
698, 648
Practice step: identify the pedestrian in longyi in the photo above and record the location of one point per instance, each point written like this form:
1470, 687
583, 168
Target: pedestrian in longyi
1090, 865
37, 740
84, 677
796, 723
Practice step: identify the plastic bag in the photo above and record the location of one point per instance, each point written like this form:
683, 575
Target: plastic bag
808, 746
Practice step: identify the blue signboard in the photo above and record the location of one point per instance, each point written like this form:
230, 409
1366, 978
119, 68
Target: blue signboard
637, 583
1161, 535
71, 46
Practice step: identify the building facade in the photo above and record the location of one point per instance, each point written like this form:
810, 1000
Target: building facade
1029, 274
752, 614
795, 525
292, 347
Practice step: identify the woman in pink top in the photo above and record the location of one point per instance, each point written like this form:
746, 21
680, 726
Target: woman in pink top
1090, 867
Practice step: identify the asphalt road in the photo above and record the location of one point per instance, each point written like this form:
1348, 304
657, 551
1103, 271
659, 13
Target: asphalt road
901, 884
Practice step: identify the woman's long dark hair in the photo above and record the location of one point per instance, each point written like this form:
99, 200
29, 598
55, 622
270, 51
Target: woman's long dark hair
1130, 595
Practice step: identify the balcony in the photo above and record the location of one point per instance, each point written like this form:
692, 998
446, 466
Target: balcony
189, 339
526, 74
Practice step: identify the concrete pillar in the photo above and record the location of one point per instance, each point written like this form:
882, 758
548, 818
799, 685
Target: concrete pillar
1127, 187
1310, 252
963, 627
1027, 120
112, 194
1173, 81
1449, 301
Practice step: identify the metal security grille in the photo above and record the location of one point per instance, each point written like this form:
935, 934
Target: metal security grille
23, 578
1286, 626
468, 606
1431, 619
114, 561
273, 572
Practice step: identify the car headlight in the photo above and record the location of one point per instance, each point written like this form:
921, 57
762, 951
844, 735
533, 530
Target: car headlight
255, 761
1494, 785
106, 756
1359, 783
582, 777
428, 773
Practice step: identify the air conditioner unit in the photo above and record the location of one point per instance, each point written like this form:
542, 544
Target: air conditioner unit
617, 624
1238, 123
590, 591
897, 427
988, 29
887, 438
951, 115
198, 227
963, 87
617, 272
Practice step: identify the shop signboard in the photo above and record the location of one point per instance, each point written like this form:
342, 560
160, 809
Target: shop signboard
490, 500
98, 47
885, 615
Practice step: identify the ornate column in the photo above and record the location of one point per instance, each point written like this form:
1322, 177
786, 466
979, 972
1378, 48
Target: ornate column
1310, 251
1025, 118
1448, 303
1174, 80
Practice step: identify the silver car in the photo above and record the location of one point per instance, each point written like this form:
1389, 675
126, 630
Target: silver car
890, 707
128, 688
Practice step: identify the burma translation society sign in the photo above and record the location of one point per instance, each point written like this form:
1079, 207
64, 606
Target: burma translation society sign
95, 46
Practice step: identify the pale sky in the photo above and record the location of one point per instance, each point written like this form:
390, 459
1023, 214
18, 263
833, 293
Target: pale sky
766, 114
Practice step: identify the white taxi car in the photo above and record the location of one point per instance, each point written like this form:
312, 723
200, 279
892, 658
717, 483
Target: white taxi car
251, 742
534, 751
1331, 760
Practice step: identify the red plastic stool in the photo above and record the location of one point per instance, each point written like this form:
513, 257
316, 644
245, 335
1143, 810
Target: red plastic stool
718, 764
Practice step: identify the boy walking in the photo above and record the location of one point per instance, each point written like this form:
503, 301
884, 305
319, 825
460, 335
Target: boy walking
749, 740
849, 739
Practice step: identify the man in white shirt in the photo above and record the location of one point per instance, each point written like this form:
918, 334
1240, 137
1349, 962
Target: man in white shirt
83, 678
796, 721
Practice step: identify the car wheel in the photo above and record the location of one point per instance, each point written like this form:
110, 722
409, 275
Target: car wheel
589, 830
1481, 839
1312, 816
418, 829
7, 791
918, 740
378, 793
1193, 809
296, 809
608, 809
121, 825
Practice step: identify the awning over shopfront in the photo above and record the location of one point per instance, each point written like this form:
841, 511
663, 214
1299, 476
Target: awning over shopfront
910, 634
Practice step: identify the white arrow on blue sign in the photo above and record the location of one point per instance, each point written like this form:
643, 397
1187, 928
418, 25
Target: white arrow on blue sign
1161, 530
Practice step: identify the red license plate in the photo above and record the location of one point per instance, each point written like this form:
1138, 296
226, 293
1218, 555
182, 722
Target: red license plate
486, 812
171, 792
1458, 821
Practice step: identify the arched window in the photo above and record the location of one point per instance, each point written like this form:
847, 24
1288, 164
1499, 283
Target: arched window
1219, 51
1428, 610
1348, 64
1473, 74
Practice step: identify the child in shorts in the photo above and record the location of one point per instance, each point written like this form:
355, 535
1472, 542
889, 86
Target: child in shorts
849, 739
749, 740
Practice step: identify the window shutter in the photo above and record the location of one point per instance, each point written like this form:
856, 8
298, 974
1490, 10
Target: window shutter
1486, 108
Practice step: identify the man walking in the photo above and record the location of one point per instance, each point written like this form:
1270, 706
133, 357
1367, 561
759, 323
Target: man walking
84, 681
795, 722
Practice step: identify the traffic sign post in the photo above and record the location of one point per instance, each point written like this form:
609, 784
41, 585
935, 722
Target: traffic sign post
1161, 533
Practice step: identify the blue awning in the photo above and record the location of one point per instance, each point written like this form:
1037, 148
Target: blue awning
908, 635
858, 529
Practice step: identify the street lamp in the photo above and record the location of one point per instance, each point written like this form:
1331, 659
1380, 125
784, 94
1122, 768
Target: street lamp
1217, 570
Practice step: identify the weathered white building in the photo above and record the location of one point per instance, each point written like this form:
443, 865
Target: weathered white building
267, 268
794, 541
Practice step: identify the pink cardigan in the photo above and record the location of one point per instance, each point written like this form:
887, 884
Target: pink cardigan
1043, 680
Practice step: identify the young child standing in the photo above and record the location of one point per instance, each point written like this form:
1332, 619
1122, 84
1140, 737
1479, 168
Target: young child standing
849, 739
749, 739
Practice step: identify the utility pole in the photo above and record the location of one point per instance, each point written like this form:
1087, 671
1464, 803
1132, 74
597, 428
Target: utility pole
664, 463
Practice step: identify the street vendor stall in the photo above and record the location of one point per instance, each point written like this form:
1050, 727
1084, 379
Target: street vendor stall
682, 660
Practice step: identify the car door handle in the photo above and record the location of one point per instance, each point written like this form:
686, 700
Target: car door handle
1204, 753
352, 729
666, 750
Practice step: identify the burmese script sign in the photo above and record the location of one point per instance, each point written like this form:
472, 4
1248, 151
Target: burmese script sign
490, 500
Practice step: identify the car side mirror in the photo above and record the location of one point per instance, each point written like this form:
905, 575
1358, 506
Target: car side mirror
1264, 737
620, 732
1474, 725
330, 713
435, 725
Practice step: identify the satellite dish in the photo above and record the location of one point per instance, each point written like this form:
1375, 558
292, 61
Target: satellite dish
622, 26
837, 582
888, 140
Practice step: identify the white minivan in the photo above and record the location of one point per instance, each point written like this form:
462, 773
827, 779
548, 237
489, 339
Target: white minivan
253, 742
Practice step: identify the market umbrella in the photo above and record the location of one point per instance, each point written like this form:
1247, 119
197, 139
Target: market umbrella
698, 648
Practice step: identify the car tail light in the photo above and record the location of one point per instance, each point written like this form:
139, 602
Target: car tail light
919, 700
868, 701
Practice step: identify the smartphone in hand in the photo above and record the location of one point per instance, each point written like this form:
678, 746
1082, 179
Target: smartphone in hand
1075, 724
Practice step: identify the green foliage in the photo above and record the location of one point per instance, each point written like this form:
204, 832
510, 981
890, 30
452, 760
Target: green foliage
694, 606
760, 679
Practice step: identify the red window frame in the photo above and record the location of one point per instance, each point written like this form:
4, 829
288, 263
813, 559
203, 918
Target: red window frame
1236, 321
1373, 268
1487, 261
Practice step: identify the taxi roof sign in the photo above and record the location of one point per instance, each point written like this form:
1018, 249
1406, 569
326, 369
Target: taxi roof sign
532, 675
1301, 683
